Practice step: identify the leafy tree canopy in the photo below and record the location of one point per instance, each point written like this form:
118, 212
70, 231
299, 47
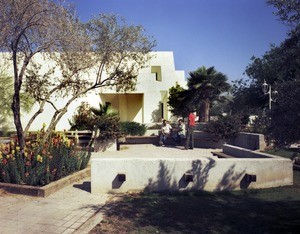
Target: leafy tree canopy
106, 50
205, 85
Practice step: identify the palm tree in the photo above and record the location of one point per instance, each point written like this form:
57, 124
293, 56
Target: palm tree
205, 86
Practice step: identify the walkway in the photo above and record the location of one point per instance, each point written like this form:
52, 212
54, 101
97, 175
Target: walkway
73, 208
62, 212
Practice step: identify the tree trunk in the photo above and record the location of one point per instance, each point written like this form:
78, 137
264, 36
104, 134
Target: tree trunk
206, 110
17, 120
16, 107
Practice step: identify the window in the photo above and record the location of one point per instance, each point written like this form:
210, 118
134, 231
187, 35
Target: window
157, 71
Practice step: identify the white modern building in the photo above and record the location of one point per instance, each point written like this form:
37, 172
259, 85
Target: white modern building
146, 104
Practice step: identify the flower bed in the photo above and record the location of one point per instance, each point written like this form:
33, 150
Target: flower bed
58, 158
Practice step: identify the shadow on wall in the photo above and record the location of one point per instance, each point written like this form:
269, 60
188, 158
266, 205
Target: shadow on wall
101, 146
229, 180
200, 172
156, 115
163, 181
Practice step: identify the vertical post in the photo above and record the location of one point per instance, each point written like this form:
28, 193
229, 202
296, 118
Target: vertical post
270, 97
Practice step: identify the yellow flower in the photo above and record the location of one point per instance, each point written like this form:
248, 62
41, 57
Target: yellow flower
13, 152
39, 158
18, 148
0, 155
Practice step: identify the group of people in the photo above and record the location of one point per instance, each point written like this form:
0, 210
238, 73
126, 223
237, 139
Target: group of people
181, 132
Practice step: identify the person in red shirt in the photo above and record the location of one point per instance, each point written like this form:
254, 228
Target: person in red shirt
190, 131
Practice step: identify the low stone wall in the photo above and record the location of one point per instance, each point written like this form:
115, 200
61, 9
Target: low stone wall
48, 189
201, 140
245, 140
114, 174
252, 141
239, 152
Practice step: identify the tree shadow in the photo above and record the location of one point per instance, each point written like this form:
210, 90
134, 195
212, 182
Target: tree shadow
102, 146
156, 115
248, 211
229, 179
163, 180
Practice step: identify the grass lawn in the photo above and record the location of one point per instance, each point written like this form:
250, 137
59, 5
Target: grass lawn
275, 210
286, 153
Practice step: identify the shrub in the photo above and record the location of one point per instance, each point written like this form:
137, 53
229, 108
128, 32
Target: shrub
105, 120
132, 128
225, 127
57, 159
82, 119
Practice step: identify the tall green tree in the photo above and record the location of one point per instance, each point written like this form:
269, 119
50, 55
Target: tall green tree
176, 101
205, 85
288, 12
279, 67
284, 127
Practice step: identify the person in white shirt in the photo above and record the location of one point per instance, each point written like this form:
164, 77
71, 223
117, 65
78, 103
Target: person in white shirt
165, 132
181, 132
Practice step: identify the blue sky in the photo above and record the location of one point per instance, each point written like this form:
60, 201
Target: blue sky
220, 33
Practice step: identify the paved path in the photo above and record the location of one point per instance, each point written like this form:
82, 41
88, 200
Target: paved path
62, 212
73, 209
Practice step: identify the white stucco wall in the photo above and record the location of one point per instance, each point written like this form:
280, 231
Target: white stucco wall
150, 90
156, 91
210, 174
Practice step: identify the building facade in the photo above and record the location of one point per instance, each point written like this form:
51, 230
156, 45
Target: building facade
146, 104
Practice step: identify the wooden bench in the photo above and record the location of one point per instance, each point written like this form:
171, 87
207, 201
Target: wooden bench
221, 155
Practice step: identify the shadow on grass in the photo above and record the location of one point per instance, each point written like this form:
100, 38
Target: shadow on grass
274, 210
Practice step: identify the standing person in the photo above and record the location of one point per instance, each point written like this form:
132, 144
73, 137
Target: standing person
165, 132
190, 131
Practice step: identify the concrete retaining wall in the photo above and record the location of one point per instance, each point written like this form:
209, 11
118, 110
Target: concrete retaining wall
252, 141
211, 174
240, 152
245, 140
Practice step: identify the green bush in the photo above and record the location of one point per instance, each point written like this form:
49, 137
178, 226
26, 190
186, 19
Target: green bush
104, 119
83, 119
132, 128
225, 127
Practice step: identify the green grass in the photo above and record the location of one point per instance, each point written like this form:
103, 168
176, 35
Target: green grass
286, 153
275, 210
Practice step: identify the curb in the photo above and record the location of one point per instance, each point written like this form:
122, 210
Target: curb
48, 189
98, 216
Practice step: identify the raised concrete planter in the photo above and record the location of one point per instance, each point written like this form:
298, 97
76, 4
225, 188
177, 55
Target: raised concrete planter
47, 189
252, 141
109, 145
168, 173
